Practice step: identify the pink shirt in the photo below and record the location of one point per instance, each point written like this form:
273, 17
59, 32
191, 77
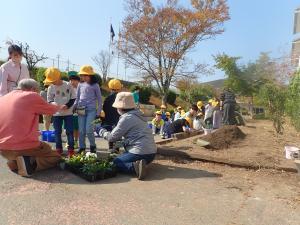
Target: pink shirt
10, 75
19, 119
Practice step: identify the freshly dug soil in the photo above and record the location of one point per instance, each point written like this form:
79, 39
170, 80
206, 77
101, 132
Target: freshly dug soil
224, 137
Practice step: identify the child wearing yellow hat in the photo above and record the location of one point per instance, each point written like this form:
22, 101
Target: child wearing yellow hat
158, 123
62, 93
88, 105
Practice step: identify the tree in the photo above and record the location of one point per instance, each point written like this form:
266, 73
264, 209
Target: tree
157, 39
274, 96
293, 103
103, 60
31, 57
197, 92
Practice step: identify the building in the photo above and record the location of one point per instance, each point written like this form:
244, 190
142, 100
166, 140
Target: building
296, 42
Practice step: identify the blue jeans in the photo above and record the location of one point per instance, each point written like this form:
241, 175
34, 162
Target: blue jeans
86, 127
124, 162
57, 123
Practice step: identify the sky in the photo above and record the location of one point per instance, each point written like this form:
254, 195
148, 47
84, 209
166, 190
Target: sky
77, 30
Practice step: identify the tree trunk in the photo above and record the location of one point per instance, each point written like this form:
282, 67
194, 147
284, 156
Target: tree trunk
164, 99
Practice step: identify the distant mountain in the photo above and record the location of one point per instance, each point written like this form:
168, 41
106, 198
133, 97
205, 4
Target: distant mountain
218, 84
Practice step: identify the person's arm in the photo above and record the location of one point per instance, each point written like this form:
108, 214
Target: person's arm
72, 97
50, 95
119, 131
99, 99
77, 96
3, 82
40, 106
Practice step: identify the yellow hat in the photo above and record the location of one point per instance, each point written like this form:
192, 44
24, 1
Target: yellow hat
215, 103
163, 107
114, 84
182, 113
158, 113
102, 114
210, 101
168, 114
189, 120
52, 74
199, 104
86, 70
179, 107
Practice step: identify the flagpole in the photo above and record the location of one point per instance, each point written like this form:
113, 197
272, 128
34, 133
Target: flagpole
109, 46
118, 52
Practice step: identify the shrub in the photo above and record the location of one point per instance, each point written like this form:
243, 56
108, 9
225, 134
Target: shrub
293, 103
197, 93
40, 76
171, 97
274, 97
145, 94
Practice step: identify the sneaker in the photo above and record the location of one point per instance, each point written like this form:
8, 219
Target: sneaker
81, 150
71, 152
140, 169
25, 167
59, 151
93, 149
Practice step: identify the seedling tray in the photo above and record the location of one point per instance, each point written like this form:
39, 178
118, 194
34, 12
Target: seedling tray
104, 174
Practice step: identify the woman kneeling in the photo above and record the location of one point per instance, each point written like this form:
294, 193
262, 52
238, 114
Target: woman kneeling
138, 139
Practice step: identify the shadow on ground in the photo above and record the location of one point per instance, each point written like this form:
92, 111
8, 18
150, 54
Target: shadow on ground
155, 172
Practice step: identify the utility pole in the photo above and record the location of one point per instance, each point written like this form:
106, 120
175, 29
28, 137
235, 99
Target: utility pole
58, 56
68, 69
53, 62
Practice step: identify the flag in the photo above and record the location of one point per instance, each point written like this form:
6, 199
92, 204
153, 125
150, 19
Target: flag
112, 33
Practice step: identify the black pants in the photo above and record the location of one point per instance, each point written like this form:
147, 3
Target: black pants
228, 114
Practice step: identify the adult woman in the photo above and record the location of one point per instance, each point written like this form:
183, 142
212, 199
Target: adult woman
12, 71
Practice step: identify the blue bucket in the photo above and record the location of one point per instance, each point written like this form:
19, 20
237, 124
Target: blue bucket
44, 135
51, 136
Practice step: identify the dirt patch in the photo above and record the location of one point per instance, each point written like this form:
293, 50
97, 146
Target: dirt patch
224, 137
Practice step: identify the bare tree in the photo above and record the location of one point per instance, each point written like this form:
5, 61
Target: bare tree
31, 57
103, 60
157, 39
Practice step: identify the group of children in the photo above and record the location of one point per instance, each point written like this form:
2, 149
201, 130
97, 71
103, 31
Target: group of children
199, 117
82, 101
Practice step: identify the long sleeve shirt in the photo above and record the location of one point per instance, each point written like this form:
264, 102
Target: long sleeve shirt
89, 96
19, 119
10, 76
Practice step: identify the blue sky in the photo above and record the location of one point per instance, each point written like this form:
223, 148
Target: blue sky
78, 29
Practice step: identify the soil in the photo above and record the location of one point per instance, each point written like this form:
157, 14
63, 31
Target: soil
224, 137
261, 147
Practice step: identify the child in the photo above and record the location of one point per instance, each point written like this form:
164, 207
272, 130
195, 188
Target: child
158, 123
178, 126
209, 109
61, 93
75, 80
178, 113
217, 115
163, 109
88, 105
138, 141
46, 118
198, 123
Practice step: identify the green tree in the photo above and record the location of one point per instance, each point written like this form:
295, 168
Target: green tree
293, 101
197, 92
274, 97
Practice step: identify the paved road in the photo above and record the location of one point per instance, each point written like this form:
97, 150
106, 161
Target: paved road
174, 193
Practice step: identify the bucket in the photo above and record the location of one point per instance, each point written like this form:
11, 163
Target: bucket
44, 135
207, 131
291, 152
51, 136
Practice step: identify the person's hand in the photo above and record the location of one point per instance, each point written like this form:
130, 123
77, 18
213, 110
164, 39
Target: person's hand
103, 133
